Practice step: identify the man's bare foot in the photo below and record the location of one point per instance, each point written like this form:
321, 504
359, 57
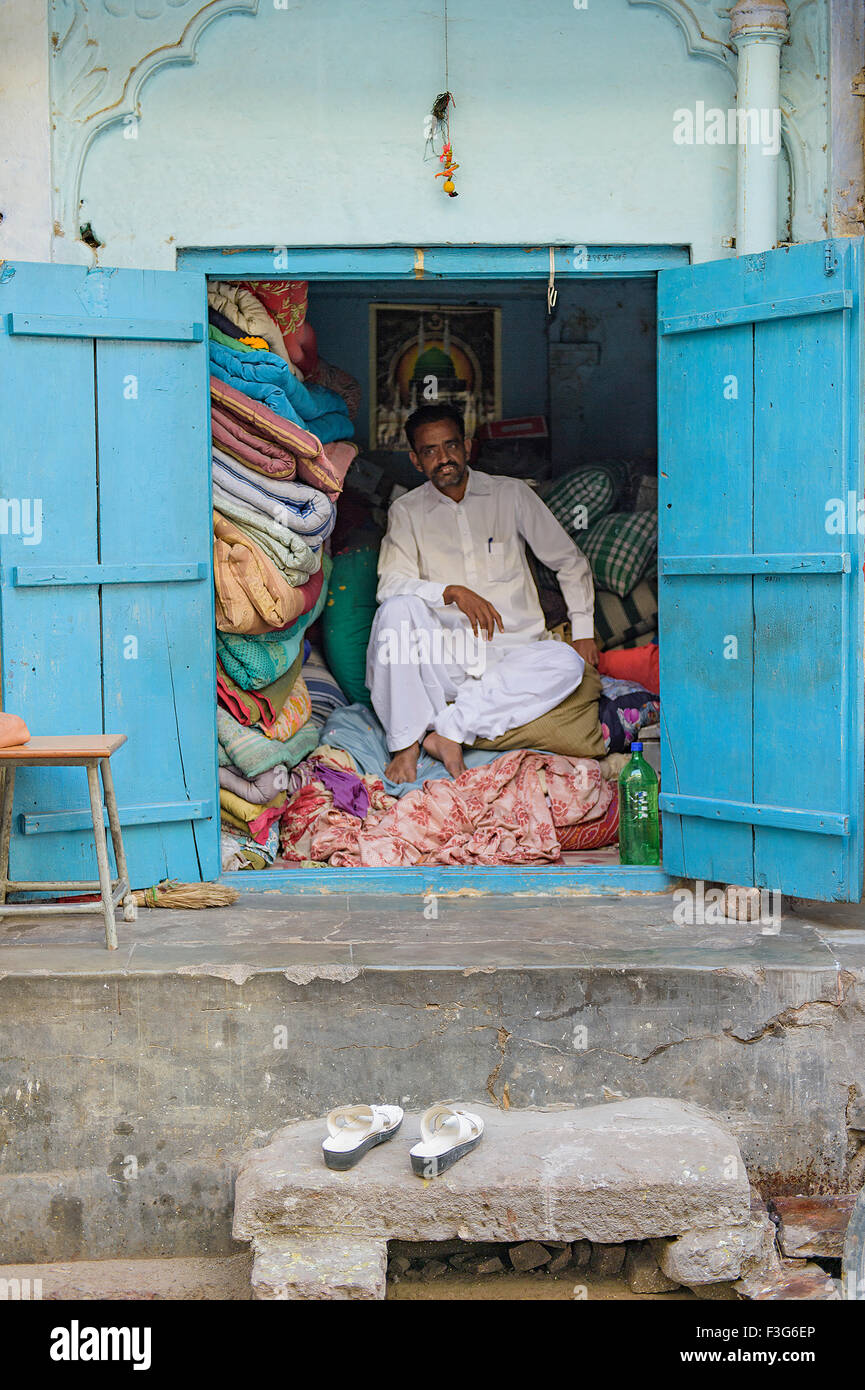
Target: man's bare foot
447, 752
403, 765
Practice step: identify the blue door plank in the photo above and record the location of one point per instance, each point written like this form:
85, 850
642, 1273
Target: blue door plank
820, 563
50, 651
60, 326
808, 628
158, 646
755, 313
29, 576
705, 469
795, 456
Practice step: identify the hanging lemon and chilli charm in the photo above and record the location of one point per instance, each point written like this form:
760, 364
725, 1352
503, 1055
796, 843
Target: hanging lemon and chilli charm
446, 158
441, 122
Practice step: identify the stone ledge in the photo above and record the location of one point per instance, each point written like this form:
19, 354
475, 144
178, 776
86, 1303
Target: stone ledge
630, 1170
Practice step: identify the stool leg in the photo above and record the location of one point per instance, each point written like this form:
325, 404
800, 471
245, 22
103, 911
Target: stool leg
6, 827
130, 907
102, 856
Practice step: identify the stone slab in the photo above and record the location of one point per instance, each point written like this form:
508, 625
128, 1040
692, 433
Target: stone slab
608, 1173
319, 1268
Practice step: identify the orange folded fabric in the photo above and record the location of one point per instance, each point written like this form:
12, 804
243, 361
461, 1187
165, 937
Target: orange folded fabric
252, 595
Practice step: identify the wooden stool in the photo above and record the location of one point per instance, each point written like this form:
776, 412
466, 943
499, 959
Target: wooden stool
75, 750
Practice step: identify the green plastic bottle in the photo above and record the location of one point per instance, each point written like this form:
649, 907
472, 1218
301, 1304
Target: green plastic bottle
639, 831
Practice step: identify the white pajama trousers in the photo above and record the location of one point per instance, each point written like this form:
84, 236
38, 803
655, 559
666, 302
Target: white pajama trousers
418, 682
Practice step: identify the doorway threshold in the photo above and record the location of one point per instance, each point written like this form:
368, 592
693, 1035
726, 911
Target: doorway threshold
535, 880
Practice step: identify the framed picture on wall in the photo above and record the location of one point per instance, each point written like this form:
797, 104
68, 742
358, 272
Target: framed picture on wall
427, 353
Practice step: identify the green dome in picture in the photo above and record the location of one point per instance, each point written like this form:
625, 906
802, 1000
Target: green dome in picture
434, 362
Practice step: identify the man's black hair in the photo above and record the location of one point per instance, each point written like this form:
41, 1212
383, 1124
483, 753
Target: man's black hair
429, 414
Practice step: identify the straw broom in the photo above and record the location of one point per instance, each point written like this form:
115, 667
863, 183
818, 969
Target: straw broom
171, 893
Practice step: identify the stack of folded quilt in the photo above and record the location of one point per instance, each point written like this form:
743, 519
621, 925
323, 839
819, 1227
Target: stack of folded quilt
281, 451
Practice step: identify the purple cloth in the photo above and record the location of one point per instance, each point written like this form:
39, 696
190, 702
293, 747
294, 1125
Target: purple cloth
349, 792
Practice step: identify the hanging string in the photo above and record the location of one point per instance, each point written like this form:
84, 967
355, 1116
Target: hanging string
439, 123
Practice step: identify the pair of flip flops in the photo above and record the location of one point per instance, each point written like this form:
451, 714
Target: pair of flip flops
447, 1134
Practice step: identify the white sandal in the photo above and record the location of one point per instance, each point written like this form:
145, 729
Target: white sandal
448, 1135
353, 1129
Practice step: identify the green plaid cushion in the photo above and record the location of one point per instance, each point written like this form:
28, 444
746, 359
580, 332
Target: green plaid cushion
628, 621
580, 499
620, 548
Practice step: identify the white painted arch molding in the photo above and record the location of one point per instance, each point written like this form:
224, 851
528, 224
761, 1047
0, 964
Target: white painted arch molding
102, 53
705, 25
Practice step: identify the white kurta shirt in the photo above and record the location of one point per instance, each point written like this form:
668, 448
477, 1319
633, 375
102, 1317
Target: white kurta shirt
480, 543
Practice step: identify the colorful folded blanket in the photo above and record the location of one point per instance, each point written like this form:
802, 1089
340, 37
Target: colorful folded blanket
254, 662
301, 508
266, 377
249, 431
592, 834
253, 595
324, 692
297, 556
229, 330
245, 309
276, 535
294, 714
240, 851
623, 709
260, 791
284, 300
243, 811
262, 707
252, 753
216, 335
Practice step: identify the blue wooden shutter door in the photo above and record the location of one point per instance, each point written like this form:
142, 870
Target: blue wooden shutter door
760, 563
107, 617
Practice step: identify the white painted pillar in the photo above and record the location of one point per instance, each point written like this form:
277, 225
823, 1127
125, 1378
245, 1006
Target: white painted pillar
758, 28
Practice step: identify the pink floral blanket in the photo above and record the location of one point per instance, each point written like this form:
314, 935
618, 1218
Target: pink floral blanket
503, 813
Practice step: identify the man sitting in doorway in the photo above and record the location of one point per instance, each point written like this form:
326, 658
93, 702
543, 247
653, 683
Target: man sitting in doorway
459, 649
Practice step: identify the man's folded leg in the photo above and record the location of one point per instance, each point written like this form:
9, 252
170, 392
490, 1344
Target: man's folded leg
408, 685
524, 684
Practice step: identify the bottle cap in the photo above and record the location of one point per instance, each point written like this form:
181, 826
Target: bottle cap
636, 747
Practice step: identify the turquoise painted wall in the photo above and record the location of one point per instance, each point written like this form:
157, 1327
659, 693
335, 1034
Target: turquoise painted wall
340, 314
304, 125
614, 399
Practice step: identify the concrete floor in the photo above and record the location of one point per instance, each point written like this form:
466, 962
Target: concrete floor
265, 932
